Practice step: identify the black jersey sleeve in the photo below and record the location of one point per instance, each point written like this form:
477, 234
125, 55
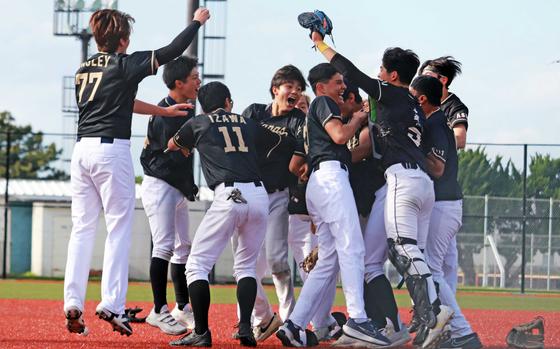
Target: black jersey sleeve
438, 144
326, 109
138, 65
178, 45
185, 137
459, 116
370, 85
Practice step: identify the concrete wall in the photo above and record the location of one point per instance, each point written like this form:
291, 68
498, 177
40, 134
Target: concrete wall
52, 224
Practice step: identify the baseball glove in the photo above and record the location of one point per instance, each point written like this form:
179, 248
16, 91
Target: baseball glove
131, 314
523, 336
316, 21
309, 262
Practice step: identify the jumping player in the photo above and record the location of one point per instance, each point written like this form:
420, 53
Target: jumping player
167, 186
227, 144
445, 221
102, 176
283, 118
410, 194
332, 209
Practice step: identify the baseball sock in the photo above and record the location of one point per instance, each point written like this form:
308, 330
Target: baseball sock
158, 278
180, 284
380, 302
199, 291
246, 294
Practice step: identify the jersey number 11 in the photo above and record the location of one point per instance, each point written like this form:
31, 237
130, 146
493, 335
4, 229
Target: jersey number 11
227, 139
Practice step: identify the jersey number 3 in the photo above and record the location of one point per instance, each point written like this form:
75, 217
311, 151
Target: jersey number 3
227, 139
84, 79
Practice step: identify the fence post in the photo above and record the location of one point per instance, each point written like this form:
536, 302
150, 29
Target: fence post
531, 262
6, 200
485, 244
549, 244
523, 231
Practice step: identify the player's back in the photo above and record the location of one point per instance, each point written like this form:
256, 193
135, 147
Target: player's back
226, 143
106, 86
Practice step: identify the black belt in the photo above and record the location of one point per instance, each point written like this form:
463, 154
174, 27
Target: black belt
230, 183
109, 140
409, 165
270, 191
342, 166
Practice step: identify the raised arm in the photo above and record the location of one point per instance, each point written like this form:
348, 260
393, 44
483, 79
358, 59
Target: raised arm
184, 39
345, 67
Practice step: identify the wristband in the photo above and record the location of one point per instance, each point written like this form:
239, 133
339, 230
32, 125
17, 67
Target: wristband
321, 46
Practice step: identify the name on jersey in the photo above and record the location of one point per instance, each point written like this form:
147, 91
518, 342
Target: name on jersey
281, 131
100, 61
227, 118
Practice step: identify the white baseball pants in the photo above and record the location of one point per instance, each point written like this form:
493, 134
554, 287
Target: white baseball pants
102, 177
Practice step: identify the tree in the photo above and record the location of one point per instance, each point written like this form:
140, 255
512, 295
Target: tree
544, 179
29, 157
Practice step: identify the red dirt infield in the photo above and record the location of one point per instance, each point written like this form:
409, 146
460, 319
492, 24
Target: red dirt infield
40, 324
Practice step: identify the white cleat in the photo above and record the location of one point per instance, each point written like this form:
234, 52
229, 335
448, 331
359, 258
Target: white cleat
184, 317
165, 322
262, 333
439, 333
397, 338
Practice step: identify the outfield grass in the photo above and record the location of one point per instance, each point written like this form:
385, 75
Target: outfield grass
141, 291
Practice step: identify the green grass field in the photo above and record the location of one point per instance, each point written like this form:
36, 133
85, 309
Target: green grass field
140, 291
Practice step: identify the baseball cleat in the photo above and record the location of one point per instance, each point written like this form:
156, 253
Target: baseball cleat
194, 340
118, 322
184, 317
439, 333
396, 338
165, 322
292, 336
262, 333
245, 335
366, 332
75, 321
470, 341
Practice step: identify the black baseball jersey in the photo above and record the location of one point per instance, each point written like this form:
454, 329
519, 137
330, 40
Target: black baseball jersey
397, 117
456, 112
366, 177
106, 86
227, 144
320, 146
173, 167
440, 141
273, 163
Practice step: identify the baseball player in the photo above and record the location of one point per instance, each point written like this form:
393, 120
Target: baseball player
446, 69
410, 194
332, 208
167, 186
227, 144
280, 117
445, 221
102, 176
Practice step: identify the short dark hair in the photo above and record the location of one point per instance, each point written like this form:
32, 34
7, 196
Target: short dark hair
446, 66
286, 74
212, 96
351, 88
109, 27
404, 62
322, 72
430, 87
178, 69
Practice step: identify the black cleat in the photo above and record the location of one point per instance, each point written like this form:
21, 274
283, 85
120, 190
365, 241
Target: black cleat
245, 335
292, 336
118, 322
194, 340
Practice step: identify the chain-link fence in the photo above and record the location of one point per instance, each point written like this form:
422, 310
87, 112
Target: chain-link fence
489, 242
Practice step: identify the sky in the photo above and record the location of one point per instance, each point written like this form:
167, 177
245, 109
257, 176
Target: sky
507, 47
